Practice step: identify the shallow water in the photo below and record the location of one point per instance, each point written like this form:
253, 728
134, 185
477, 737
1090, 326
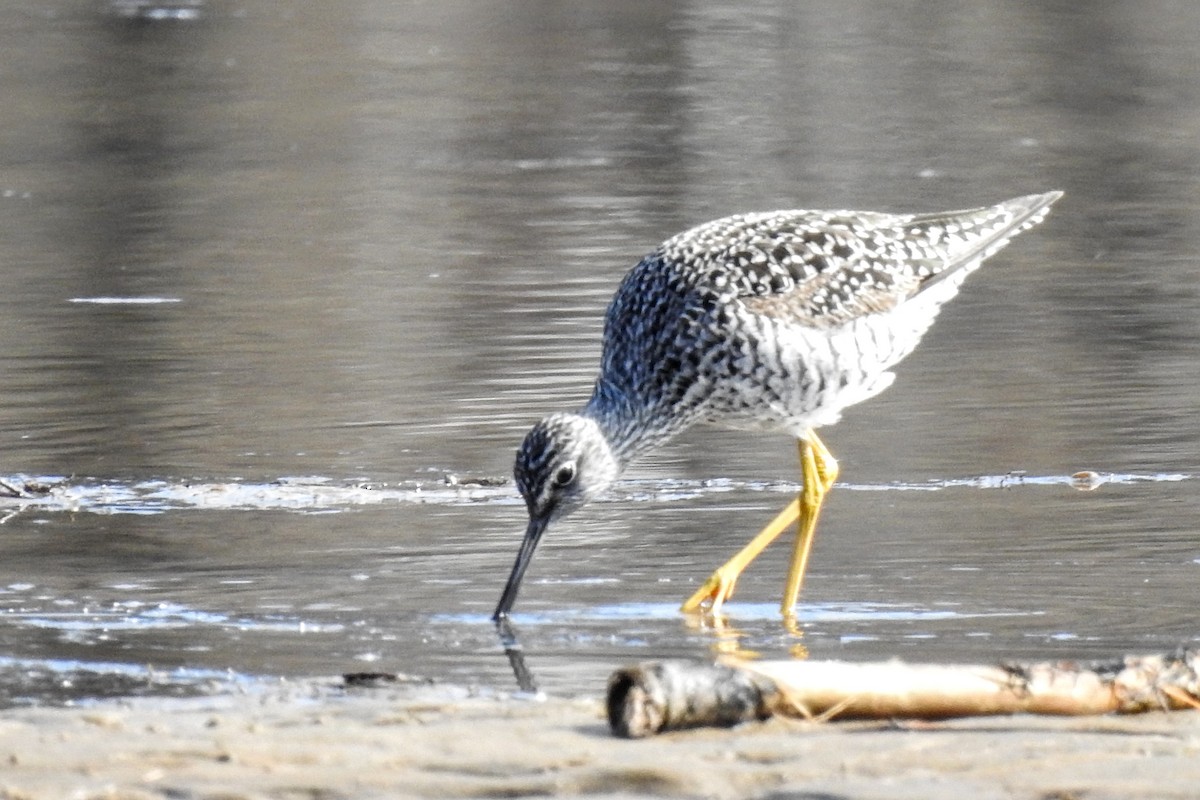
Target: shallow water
285, 286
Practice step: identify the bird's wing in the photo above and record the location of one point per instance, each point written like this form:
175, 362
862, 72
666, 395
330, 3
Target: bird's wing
825, 268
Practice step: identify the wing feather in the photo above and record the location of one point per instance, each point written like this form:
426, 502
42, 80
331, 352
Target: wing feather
823, 269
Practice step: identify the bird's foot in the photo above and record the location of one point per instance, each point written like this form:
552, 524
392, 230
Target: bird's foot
715, 591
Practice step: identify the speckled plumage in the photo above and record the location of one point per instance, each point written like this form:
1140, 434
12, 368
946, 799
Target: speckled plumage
782, 319
775, 320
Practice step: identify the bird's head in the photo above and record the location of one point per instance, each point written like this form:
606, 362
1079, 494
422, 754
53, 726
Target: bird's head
564, 462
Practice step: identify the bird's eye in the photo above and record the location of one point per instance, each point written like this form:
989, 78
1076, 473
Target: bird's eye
564, 476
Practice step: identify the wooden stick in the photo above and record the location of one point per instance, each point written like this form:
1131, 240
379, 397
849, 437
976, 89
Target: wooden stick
667, 695
649, 698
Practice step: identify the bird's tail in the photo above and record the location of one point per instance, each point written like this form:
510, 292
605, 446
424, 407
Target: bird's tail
1002, 222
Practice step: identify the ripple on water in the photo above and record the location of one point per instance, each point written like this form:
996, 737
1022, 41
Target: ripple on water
315, 494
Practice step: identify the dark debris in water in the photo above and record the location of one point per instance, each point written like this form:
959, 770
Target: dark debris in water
375, 680
24, 488
450, 479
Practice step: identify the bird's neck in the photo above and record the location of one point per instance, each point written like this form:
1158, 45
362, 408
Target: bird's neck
630, 427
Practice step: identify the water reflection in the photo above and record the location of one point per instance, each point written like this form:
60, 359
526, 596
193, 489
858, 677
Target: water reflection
522, 674
391, 231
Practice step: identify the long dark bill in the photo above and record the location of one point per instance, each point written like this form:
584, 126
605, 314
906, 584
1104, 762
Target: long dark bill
533, 534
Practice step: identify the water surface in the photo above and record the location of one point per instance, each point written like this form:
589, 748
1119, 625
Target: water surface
286, 284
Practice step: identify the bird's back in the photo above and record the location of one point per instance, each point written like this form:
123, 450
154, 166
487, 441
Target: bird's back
782, 319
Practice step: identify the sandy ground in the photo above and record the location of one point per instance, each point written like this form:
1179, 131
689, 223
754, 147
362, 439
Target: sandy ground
317, 740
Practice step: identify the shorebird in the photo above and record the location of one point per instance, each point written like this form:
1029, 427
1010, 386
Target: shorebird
771, 321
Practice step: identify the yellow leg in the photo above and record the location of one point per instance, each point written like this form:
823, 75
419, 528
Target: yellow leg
719, 587
818, 471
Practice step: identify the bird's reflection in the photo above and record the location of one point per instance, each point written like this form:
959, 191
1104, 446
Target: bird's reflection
791, 625
725, 641
516, 656
728, 640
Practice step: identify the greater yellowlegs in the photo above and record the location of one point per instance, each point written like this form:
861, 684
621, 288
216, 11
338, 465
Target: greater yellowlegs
770, 321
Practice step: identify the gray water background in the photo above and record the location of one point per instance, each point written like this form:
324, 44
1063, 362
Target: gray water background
285, 284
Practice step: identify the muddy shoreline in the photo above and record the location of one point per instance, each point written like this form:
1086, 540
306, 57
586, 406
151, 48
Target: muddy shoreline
316, 738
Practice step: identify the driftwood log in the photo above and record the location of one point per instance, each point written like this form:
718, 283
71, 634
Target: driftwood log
654, 697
